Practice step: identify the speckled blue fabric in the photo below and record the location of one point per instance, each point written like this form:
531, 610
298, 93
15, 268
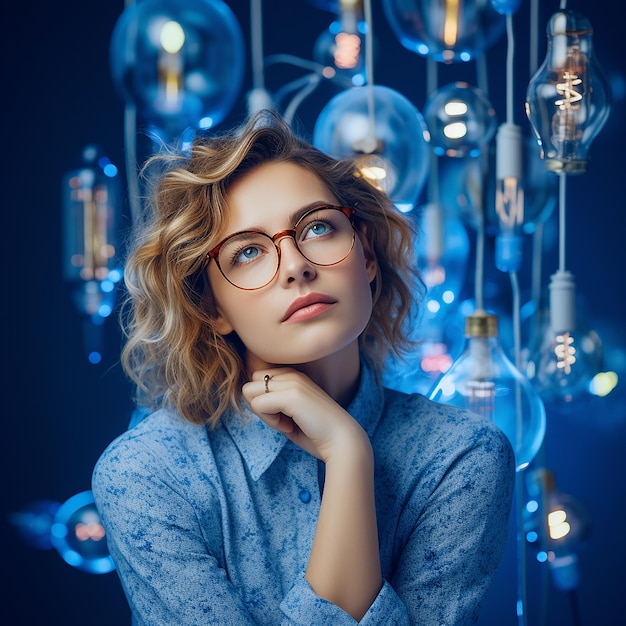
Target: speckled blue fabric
215, 527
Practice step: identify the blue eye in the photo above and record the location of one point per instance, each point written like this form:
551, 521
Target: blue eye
315, 229
247, 254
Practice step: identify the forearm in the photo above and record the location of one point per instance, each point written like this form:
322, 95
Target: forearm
344, 565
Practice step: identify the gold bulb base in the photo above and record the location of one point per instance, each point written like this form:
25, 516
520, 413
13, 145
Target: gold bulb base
481, 324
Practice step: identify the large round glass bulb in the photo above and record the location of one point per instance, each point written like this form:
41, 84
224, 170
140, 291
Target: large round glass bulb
460, 119
181, 62
387, 133
445, 31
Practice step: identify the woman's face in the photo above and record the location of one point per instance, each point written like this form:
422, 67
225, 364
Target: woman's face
307, 312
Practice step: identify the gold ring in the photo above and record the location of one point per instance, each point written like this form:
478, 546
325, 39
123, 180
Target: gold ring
266, 380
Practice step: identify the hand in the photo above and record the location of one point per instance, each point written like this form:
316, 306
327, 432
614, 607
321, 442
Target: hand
305, 413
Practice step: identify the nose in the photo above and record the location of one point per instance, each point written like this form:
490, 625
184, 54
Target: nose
294, 266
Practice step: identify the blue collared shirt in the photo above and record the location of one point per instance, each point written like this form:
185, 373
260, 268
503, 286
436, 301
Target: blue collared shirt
216, 526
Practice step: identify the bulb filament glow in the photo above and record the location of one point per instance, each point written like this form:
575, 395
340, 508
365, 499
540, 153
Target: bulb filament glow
565, 352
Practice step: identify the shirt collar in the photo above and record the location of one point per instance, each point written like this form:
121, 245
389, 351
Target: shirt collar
259, 444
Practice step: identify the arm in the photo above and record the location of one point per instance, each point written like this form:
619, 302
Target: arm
344, 564
455, 526
167, 565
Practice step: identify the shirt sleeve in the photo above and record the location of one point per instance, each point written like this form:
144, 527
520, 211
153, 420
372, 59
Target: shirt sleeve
301, 603
457, 540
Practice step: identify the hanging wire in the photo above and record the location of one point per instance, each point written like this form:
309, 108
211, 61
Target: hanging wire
521, 605
369, 65
256, 44
130, 154
313, 80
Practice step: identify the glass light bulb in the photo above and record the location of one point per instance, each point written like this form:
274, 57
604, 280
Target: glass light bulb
568, 99
385, 131
509, 200
460, 119
562, 364
557, 525
91, 196
483, 380
181, 62
79, 537
442, 30
341, 46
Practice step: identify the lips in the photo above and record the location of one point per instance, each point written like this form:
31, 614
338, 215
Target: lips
312, 303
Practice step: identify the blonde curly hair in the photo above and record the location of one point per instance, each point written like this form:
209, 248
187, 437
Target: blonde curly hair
173, 352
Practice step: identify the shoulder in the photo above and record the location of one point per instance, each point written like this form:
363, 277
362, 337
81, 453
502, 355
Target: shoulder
430, 430
161, 445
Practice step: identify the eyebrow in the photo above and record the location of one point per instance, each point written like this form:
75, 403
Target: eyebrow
293, 217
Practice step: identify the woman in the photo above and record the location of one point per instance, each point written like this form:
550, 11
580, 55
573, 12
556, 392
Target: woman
276, 480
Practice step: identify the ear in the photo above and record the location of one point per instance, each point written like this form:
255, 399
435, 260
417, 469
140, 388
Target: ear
221, 323
371, 266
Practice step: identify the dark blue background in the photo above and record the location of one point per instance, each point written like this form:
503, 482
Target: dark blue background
59, 411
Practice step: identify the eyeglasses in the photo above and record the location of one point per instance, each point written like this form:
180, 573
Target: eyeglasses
250, 259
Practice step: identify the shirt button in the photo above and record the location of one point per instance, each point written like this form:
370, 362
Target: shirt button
305, 496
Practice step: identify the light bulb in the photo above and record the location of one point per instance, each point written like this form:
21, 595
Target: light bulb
483, 380
444, 30
509, 200
387, 134
91, 197
466, 185
557, 525
91, 222
568, 99
460, 119
180, 62
341, 47
562, 362
79, 537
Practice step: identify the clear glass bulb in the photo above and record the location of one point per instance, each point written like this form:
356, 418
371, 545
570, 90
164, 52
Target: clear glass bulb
562, 364
91, 197
460, 119
557, 525
483, 380
181, 62
341, 46
79, 537
509, 200
445, 31
386, 132
568, 99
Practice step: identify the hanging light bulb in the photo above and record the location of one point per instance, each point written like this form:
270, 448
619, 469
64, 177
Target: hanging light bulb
444, 30
73, 528
460, 119
341, 47
181, 63
568, 99
79, 537
557, 525
560, 369
91, 263
483, 380
387, 134
509, 200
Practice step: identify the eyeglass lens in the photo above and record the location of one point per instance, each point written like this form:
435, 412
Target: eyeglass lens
250, 260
